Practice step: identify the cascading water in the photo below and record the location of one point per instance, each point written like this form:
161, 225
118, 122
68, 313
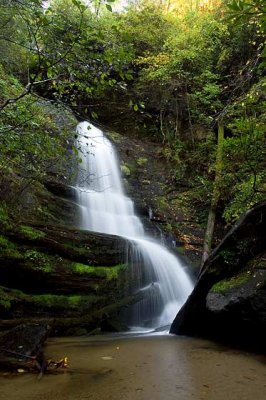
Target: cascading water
155, 272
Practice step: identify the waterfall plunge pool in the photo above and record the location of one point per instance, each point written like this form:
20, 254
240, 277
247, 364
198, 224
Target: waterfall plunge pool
152, 367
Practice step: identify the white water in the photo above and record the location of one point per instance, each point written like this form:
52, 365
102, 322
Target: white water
155, 272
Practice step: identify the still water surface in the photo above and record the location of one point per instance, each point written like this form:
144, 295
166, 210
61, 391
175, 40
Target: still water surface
151, 367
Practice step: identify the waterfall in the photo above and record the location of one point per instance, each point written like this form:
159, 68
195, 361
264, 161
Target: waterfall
155, 271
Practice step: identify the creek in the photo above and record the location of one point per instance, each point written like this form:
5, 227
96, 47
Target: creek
153, 269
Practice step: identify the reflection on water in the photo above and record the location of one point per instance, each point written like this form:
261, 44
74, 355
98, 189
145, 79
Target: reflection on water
151, 367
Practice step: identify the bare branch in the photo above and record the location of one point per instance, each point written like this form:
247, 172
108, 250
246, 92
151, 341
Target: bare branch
15, 99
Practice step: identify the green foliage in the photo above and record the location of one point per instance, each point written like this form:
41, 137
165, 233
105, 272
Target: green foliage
245, 151
146, 28
252, 13
172, 68
30, 139
85, 58
183, 72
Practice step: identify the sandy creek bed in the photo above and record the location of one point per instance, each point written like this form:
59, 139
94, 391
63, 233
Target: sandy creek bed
152, 367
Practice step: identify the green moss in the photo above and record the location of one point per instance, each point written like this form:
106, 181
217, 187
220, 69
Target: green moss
132, 166
7, 296
4, 219
180, 250
39, 261
125, 170
31, 233
258, 262
5, 300
232, 282
142, 161
169, 227
12, 253
82, 251
5, 243
8, 249
108, 273
145, 181
115, 137
80, 268
61, 301
161, 203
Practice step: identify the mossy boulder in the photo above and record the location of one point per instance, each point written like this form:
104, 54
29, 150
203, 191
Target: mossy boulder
229, 299
67, 276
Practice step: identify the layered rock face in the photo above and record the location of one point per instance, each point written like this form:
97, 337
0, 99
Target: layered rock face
51, 270
229, 299
71, 278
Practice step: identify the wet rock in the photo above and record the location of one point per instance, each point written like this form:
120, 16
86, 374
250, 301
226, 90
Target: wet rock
229, 299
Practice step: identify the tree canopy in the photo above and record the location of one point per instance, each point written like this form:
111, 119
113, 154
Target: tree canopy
172, 69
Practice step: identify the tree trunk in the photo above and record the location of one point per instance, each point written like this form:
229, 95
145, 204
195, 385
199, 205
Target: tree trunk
215, 195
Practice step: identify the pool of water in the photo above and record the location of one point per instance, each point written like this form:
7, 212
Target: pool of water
157, 367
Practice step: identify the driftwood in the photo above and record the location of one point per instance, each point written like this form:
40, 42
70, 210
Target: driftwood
21, 347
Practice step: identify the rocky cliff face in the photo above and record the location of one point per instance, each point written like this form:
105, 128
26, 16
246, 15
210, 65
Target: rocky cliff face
159, 199
229, 299
69, 277
52, 273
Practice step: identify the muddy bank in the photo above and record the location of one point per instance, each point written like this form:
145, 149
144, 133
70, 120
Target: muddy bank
158, 367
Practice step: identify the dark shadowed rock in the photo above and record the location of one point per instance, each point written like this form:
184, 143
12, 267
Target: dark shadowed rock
229, 299
20, 343
61, 190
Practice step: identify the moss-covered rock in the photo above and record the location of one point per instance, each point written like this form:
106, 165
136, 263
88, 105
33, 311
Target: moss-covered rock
229, 299
31, 233
54, 271
231, 283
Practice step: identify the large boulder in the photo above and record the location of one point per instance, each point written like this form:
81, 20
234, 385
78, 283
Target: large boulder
229, 299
